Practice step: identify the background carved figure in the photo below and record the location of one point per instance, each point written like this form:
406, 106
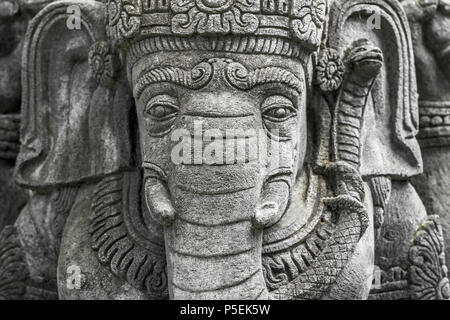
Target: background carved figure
430, 29
14, 18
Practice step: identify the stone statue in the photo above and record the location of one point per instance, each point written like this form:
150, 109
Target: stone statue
430, 29
409, 246
211, 149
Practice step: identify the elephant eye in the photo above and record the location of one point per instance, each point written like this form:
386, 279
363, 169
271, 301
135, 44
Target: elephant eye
161, 108
160, 114
162, 111
279, 113
277, 109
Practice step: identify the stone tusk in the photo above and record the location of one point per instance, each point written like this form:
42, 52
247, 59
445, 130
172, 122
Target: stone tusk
274, 203
158, 201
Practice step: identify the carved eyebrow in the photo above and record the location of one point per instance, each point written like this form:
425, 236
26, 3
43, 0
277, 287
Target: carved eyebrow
240, 77
236, 74
196, 78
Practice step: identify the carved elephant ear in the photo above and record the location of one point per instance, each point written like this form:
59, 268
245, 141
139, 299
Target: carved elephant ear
75, 104
389, 123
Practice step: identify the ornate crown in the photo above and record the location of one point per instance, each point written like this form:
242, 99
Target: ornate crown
300, 21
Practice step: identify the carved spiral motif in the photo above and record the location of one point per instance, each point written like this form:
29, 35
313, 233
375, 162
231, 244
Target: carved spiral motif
330, 70
201, 74
104, 63
196, 78
237, 75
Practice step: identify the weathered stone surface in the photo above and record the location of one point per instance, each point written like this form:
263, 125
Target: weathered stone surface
402, 217
220, 150
14, 18
430, 29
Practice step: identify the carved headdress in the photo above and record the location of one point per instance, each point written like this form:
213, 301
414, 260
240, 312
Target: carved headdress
280, 27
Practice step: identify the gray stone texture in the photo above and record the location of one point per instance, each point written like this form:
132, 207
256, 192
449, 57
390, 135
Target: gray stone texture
137, 192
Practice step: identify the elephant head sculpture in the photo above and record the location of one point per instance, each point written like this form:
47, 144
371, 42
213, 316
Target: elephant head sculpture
220, 146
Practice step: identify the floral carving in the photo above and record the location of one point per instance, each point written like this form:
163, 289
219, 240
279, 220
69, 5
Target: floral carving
428, 272
214, 16
104, 63
310, 17
330, 70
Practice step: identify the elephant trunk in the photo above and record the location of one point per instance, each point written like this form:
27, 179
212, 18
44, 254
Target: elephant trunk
213, 244
227, 266
213, 249
214, 213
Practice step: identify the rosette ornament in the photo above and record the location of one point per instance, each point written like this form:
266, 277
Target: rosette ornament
104, 63
330, 70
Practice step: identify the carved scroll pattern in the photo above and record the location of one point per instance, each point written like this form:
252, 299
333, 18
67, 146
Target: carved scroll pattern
128, 253
235, 73
238, 76
300, 20
198, 77
214, 17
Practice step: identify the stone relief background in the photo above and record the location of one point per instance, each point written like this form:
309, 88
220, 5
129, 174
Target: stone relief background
224, 149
